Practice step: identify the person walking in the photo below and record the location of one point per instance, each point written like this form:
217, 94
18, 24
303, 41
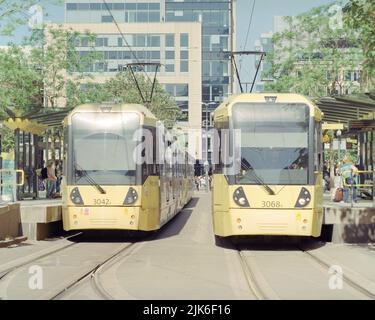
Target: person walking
58, 174
348, 170
196, 180
51, 179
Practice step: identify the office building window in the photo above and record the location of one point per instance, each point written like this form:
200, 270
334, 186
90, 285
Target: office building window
184, 40
184, 66
169, 40
169, 54
169, 68
155, 54
182, 90
71, 6
142, 6
83, 6
184, 55
130, 6
154, 41
154, 16
154, 6
107, 19
118, 6
169, 88
95, 6
140, 41
142, 16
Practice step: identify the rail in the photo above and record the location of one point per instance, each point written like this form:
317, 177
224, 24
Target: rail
353, 185
356, 175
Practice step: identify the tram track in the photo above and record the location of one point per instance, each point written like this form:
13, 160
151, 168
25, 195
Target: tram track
250, 278
345, 278
93, 276
264, 283
5, 273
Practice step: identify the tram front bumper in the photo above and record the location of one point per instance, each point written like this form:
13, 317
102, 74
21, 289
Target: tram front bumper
110, 218
266, 222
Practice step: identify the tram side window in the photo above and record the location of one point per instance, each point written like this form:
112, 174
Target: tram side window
217, 162
66, 146
318, 163
186, 165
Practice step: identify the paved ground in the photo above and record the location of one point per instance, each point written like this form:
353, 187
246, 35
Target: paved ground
360, 204
183, 261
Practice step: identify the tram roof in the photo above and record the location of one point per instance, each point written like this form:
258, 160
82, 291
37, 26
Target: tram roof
262, 97
115, 108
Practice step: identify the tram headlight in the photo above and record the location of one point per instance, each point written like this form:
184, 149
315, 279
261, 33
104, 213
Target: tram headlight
131, 196
75, 196
304, 198
239, 197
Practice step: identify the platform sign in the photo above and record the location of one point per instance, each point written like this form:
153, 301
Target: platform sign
333, 126
336, 144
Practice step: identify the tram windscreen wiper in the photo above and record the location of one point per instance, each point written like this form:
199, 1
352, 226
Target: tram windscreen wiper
248, 167
88, 178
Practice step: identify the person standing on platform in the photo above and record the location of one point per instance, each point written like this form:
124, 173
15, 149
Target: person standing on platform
51, 179
58, 174
348, 171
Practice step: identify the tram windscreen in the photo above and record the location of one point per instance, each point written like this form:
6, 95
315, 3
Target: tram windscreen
103, 147
274, 143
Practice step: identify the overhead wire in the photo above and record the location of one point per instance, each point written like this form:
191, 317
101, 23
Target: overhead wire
123, 37
247, 33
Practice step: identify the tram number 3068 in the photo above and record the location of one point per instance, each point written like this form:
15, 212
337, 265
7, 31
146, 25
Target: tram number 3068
271, 204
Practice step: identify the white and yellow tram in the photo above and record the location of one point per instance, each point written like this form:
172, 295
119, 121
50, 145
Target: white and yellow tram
274, 185
109, 184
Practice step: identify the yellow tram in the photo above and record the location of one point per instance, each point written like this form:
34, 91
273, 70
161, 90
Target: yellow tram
115, 179
271, 184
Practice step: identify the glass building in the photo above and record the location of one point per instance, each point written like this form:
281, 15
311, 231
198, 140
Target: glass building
215, 17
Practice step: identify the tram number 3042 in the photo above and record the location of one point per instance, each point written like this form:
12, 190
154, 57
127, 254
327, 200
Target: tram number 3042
271, 204
102, 202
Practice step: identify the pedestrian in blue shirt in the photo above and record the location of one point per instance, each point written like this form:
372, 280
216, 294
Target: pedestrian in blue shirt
348, 171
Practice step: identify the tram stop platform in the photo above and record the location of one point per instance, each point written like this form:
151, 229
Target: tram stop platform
10, 221
350, 223
41, 219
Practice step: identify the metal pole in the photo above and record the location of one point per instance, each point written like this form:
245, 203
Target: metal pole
207, 163
351, 188
339, 149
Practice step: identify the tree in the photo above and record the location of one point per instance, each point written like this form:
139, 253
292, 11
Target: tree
16, 13
20, 82
313, 55
122, 89
360, 15
55, 53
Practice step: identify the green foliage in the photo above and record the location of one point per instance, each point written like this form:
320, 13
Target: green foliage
333, 155
20, 82
54, 52
7, 139
360, 15
15, 13
122, 89
312, 54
